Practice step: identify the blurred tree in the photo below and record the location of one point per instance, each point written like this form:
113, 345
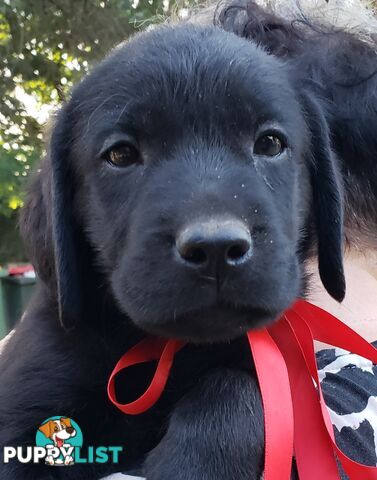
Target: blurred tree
45, 47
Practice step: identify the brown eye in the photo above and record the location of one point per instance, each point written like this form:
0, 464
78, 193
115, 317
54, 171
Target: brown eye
269, 146
123, 155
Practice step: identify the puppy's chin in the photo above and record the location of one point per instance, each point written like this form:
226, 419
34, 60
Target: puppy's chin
218, 323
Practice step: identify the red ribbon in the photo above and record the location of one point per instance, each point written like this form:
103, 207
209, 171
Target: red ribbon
296, 418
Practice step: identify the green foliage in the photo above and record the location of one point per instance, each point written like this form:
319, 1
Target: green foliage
45, 47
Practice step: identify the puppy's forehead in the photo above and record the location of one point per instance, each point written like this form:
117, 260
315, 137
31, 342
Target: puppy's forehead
186, 72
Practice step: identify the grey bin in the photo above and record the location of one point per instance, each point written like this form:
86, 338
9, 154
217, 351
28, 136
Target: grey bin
16, 294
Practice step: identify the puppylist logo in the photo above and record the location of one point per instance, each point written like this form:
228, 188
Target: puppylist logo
59, 436
59, 442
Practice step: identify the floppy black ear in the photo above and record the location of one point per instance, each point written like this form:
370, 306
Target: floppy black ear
79, 283
68, 242
54, 237
327, 200
50, 230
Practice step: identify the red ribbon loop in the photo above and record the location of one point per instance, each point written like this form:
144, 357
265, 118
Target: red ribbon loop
296, 416
147, 350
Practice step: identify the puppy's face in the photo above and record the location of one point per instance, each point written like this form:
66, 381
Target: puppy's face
190, 147
193, 189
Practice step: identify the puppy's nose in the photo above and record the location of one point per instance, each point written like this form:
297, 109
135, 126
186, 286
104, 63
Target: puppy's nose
210, 245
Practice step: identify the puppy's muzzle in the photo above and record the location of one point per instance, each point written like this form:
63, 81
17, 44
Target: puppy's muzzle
213, 246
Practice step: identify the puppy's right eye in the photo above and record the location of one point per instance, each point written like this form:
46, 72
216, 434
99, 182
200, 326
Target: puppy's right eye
269, 146
123, 155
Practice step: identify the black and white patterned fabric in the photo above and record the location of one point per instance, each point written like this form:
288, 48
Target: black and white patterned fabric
349, 385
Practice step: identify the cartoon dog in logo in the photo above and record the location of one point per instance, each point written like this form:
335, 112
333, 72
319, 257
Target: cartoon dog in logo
59, 431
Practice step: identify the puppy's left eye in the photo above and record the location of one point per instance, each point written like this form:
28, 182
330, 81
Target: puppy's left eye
269, 146
123, 155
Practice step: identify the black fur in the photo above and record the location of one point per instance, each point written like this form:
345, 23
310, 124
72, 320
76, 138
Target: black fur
103, 242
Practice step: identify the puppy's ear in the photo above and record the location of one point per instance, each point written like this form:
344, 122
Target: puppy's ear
327, 200
70, 248
46, 428
54, 239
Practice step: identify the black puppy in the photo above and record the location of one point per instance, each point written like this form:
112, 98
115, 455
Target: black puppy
186, 181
